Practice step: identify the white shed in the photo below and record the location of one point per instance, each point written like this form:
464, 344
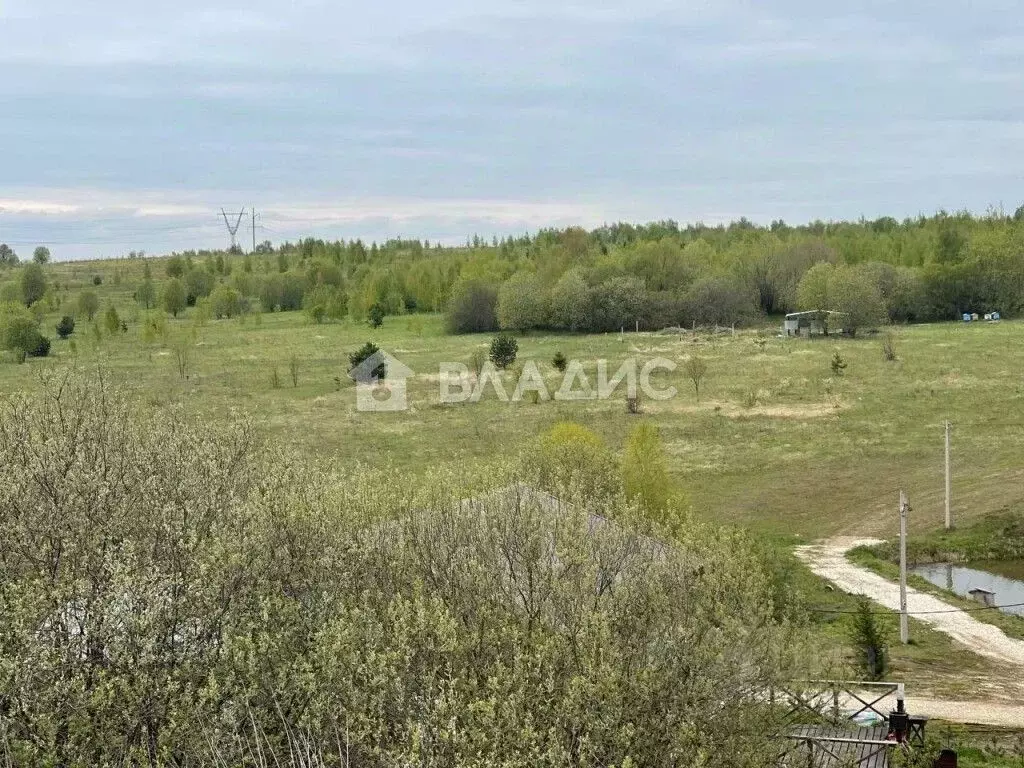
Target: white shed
813, 322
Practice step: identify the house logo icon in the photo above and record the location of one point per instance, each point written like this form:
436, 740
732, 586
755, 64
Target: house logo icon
380, 383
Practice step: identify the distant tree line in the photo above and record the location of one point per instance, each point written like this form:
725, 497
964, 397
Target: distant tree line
656, 275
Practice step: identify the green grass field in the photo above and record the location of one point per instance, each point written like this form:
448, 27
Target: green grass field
775, 441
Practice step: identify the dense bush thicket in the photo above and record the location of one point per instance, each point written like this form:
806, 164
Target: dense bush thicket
473, 308
174, 595
657, 275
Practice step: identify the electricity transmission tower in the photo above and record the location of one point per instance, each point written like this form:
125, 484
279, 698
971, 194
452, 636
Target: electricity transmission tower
233, 228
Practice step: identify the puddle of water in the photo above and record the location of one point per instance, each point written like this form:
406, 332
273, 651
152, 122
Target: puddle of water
1005, 579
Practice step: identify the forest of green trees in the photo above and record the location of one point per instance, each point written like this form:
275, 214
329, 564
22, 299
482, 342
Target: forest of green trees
656, 275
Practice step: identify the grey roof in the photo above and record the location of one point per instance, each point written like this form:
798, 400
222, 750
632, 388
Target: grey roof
815, 312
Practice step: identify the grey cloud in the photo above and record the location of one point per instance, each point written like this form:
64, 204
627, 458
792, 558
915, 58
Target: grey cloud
645, 109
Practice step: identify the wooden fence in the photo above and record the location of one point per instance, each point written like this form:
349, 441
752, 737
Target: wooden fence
827, 728
835, 701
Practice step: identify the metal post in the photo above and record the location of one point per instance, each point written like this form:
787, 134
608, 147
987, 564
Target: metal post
899, 720
904, 624
949, 513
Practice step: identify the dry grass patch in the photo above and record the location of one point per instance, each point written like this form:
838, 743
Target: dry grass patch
734, 410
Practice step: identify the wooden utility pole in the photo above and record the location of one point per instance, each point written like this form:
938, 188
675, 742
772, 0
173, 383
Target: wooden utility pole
904, 623
949, 512
254, 229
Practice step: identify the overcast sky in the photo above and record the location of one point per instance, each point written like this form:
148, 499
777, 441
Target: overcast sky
127, 125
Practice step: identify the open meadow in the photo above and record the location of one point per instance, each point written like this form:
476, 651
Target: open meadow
775, 440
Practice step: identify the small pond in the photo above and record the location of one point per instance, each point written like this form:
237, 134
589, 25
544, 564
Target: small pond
1004, 578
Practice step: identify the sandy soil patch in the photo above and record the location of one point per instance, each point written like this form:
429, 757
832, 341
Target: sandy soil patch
737, 411
465, 379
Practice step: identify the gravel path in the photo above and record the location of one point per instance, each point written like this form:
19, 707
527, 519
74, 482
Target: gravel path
828, 560
973, 712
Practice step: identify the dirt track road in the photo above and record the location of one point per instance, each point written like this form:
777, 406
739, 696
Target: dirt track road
828, 560
974, 712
